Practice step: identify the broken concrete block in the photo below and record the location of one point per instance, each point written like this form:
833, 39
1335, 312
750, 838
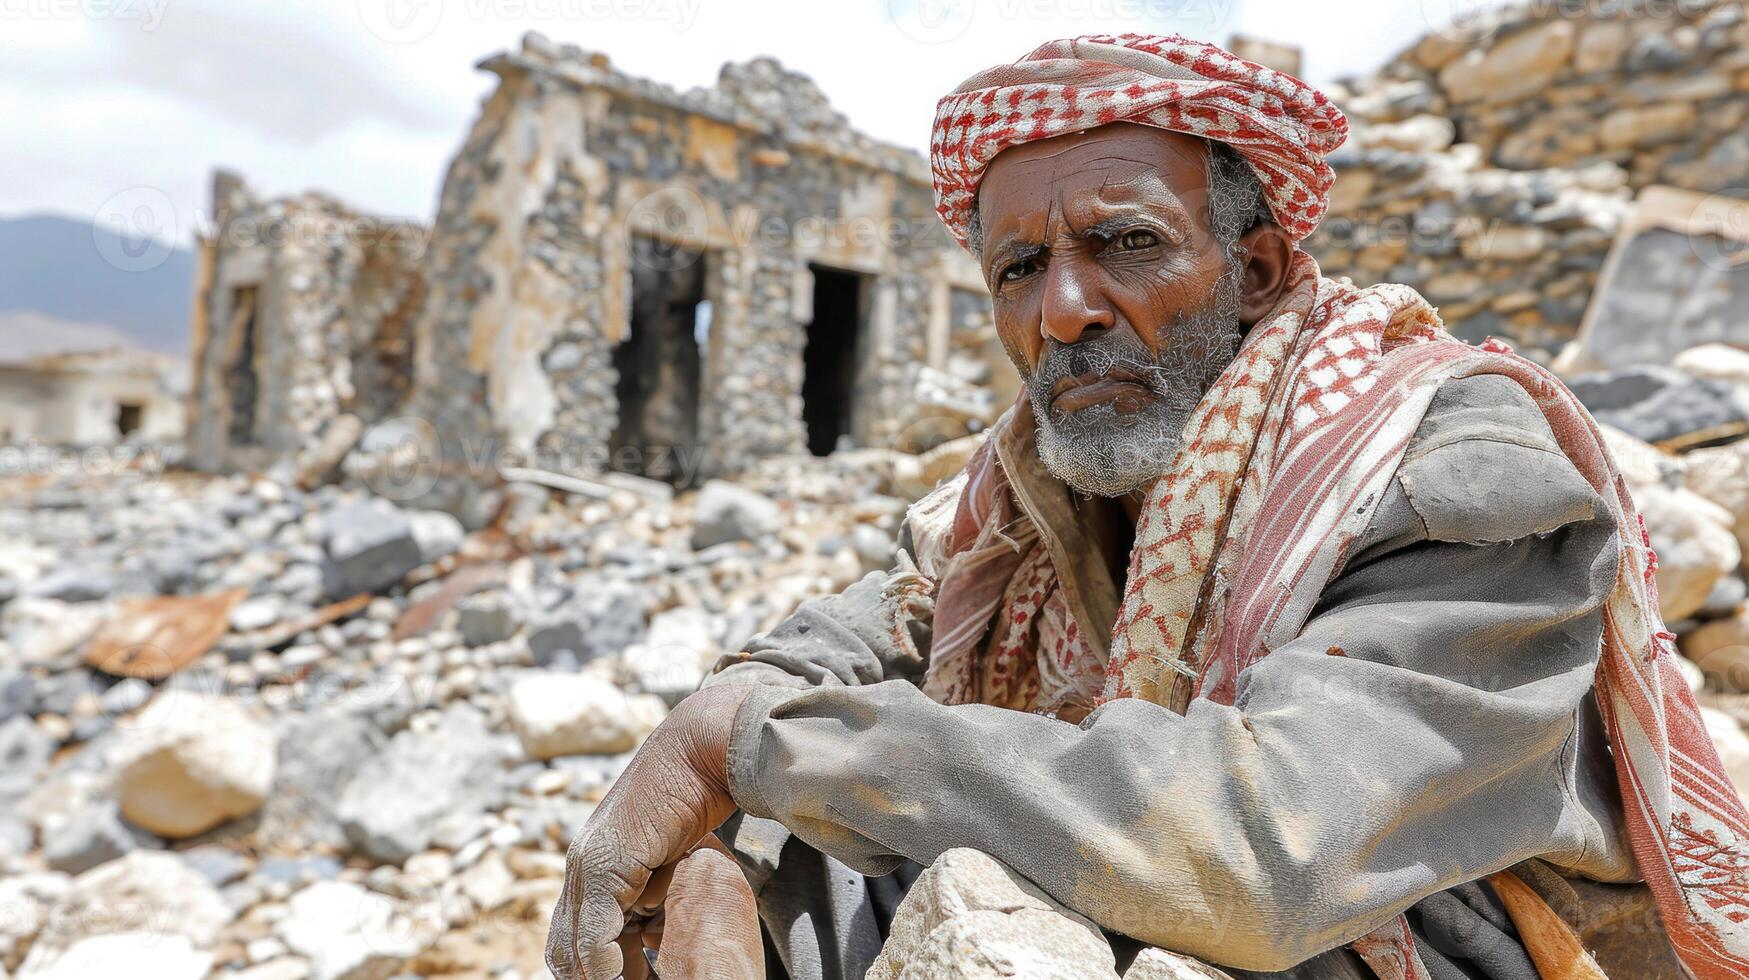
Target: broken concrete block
192, 763
725, 512
969, 916
1158, 964
370, 547
573, 714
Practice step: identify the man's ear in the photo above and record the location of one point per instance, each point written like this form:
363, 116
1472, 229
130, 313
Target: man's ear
1267, 258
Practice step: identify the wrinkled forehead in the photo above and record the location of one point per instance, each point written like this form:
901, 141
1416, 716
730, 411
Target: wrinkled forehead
1108, 166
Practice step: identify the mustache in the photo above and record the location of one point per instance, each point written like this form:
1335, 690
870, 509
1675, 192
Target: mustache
1112, 352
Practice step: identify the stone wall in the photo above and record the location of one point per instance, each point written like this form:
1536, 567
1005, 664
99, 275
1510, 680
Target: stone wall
301, 317
572, 163
1491, 164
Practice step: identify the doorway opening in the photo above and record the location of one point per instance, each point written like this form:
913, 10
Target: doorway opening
128, 418
660, 364
830, 357
241, 378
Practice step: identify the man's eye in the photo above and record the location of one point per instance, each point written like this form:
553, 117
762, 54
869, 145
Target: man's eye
1016, 271
1131, 240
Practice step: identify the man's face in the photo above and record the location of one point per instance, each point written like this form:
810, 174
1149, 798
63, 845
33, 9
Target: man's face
1111, 294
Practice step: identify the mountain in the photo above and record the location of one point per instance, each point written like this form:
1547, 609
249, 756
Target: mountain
90, 279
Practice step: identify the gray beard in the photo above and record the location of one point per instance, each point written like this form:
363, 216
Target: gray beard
1103, 453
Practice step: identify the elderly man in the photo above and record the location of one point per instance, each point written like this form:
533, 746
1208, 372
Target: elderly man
1272, 626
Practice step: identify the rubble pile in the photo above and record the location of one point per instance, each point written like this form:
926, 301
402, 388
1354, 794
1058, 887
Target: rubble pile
271, 733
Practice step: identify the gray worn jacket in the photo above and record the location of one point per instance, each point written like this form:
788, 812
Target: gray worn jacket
1458, 736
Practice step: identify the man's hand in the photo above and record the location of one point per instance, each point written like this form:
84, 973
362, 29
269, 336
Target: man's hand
636, 876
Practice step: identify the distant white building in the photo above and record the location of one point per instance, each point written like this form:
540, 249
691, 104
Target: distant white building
92, 398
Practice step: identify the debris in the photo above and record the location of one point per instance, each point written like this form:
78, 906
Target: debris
191, 762
152, 638
571, 714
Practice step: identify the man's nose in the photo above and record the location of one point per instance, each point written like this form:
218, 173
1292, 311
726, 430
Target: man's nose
1073, 303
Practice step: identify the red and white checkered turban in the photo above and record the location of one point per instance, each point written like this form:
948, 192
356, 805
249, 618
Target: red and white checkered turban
1279, 124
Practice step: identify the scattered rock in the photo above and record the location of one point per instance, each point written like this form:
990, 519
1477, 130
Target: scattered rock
24, 751
389, 809
969, 916
571, 714
218, 865
483, 619
346, 932
437, 534
602, 619
370, 547
143, 955
1694, 543
91, 838
1660, 405
142, 890
673, 660
1721, 650
191, 763
725, 512
1721, 362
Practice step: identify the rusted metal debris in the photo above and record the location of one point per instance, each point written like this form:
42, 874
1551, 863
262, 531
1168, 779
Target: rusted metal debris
153, 637
463, 582
280, 634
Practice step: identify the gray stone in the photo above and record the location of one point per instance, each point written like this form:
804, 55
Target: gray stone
126, 695
318, 754
390, 806
346, 932
57, 693
1656, 404
299, 870
93, 836
16, 836
437, 534
171, 569
1728, 593
726, 512
483, 619
217, 864
601, 619
73, 585
17, 693
370, 548
24, 753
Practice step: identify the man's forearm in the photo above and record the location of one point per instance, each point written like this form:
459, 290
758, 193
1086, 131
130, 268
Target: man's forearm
876, 630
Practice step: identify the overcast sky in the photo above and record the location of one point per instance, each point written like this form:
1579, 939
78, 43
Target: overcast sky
110, 104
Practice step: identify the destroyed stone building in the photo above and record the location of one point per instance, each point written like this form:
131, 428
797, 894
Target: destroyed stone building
620, 276
91, 398
690, 281
302, 317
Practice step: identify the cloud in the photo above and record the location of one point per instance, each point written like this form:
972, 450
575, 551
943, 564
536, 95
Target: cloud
295, 77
